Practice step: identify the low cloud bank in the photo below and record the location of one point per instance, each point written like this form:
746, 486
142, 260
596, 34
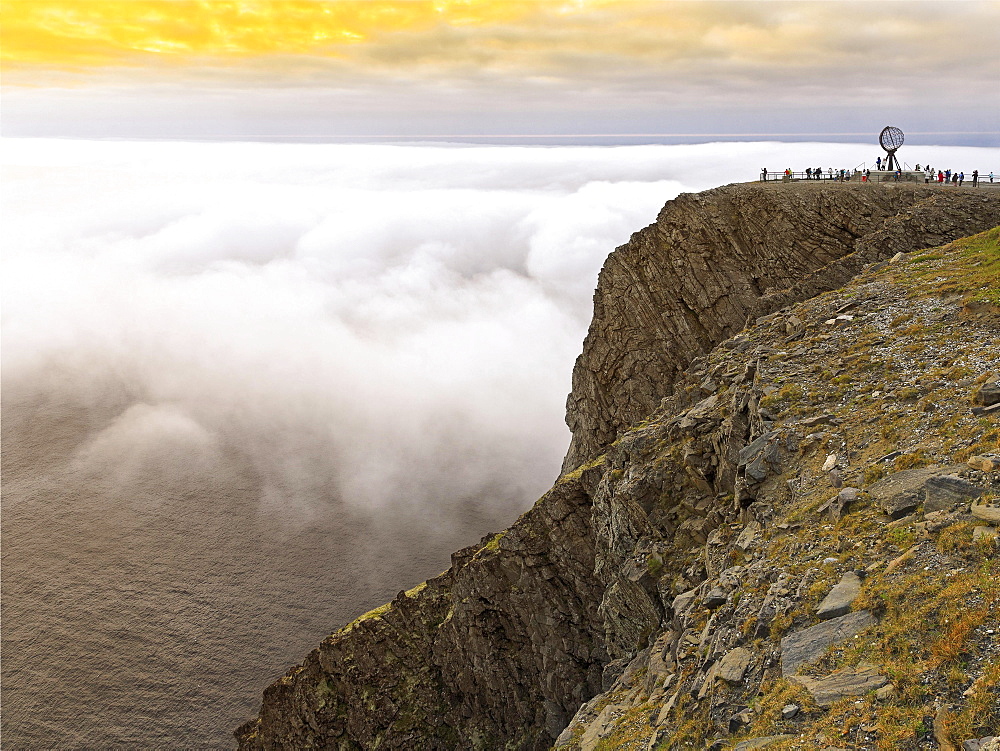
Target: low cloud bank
362, 324
376, 326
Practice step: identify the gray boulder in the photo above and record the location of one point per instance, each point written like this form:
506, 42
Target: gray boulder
900, 493
809, 644
988, 394
838, 602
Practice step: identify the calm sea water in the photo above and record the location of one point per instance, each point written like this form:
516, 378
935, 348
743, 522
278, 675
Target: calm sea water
152, 614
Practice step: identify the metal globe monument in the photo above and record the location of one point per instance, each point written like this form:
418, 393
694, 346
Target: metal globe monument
891, 138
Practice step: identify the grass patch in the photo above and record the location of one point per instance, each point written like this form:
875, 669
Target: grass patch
969, 267
578, 472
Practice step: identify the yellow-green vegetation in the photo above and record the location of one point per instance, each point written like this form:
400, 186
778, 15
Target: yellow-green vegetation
987, 441
930, 631
374, 613
577, 473
901, 537
768, 706
631, 732
381, 609
654, 565
416, 590
969, 267
494, 543
923, 643
692, 724
783, 397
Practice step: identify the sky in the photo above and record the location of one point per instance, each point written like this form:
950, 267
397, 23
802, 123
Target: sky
599, 71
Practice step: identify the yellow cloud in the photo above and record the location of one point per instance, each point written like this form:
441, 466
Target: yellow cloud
438, 40
71, 33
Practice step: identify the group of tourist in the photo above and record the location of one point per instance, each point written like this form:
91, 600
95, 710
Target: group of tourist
953, 178
946, 177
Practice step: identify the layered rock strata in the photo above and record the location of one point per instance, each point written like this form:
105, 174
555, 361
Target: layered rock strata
714, 260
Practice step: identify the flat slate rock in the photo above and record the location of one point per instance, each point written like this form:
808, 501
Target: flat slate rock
842, 684
715, 598
838, 602
989, 514
989, 743
809, 644
988, 394
760, 457
946, 491
993, 409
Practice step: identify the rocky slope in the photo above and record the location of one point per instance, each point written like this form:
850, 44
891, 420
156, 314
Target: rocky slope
838, 588
667, 591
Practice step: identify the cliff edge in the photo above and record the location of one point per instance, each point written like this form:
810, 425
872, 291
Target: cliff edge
755, 387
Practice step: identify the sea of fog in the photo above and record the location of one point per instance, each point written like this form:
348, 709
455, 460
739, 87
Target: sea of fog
252, 390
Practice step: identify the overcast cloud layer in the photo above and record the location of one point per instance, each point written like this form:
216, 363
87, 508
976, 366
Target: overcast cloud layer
294, 68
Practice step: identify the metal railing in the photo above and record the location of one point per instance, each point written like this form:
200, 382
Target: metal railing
835, 176
875, 176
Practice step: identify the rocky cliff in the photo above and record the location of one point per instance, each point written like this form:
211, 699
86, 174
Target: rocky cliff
714, 260
774, 524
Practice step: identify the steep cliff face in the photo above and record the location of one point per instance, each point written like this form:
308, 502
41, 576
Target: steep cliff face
713, 260
642, 602
501, 649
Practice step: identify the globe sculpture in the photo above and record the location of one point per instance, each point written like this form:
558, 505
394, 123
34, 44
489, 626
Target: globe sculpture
891, 139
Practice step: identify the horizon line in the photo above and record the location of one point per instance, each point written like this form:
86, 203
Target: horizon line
505, 135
